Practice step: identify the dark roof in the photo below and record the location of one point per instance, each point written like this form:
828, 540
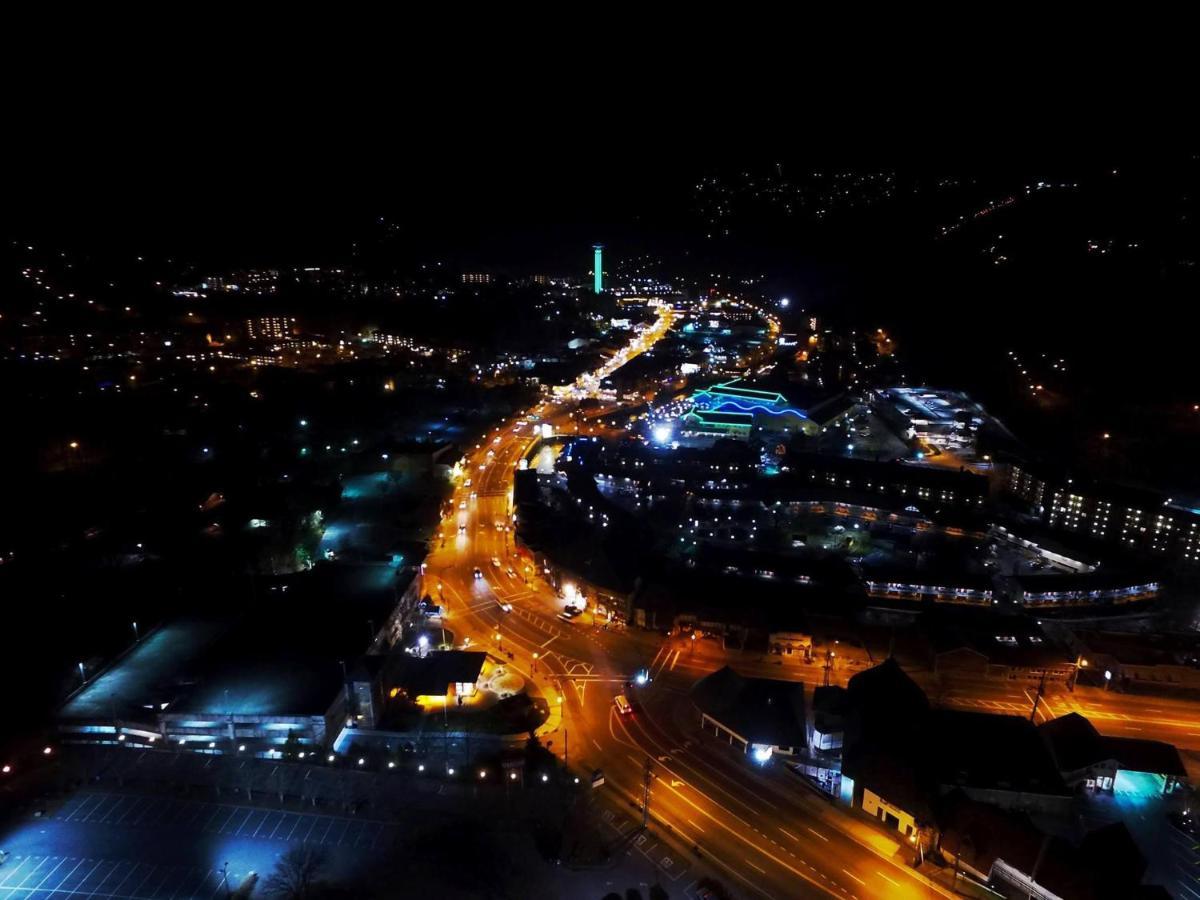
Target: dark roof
990, 752
434, 673
1143, 649
1004, 640
1074, 742
1107, 865
762, 710
887, 687
1140, 755
983, 833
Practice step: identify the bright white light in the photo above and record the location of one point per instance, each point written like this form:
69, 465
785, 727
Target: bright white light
783, 301
640, 678
423, 641
762, 754
662, 434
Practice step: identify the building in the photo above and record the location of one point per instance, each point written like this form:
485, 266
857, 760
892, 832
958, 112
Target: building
763, 716
598, 268
1046, 593
476, 278
732, 403
1006, 851
940, 418
1140, 661
1132, 518
1001, 648
269, 328
915, 586
1089, 760
1052, 552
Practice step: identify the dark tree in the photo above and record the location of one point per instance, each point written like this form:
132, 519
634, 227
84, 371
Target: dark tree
297, 874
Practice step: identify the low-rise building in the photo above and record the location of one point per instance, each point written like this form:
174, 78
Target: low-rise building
1087, 759
763, 716
1047, 593
918, 586
1140, 660
1005, 648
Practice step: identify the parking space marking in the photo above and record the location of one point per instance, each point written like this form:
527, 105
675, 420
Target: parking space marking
117, 886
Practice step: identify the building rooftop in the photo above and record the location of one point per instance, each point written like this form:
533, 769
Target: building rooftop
1144, 649
762, 710
990, 752
432, 675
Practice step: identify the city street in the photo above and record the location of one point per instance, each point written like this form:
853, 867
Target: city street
761, 831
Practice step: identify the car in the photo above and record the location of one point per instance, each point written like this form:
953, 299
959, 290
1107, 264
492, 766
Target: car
506, 607
511, 573
462, 504
496, 561
474, 495
499, 525
482, 467
467, 483
462, 529
622, 705
478, 572
496, 439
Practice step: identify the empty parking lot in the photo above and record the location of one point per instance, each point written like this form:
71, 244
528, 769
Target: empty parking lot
100, 844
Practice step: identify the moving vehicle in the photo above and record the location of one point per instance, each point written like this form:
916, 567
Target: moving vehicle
622, 705
462, 504
496, 561
462, 529
478, 572
511, 572
506, 607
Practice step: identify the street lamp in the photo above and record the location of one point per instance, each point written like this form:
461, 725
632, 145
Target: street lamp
136, 637
1107, 678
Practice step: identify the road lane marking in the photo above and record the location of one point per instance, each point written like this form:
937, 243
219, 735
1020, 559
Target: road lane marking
694, 825
856, 878
885, 878
753, 866
789, 834
821, 836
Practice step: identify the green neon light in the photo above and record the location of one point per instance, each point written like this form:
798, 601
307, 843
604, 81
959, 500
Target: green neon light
598, 268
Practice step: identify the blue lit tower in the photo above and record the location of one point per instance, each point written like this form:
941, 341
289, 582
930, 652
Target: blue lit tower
598, 267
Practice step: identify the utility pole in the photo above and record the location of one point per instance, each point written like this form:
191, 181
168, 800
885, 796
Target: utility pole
647, 778
1036, 700
566, 750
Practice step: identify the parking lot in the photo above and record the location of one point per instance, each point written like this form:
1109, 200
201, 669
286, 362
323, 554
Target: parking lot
217, 818
102, 844
66, 876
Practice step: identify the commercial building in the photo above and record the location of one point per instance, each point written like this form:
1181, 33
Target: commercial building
476, 278
762, 716
947, 419
1087, 759
1001, 648
1139, 660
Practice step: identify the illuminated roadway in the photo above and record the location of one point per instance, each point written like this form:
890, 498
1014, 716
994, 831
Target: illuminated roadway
760, 829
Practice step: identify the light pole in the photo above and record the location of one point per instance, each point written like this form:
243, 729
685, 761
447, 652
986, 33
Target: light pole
535, 659
1107, 678
82, 675
136, 637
